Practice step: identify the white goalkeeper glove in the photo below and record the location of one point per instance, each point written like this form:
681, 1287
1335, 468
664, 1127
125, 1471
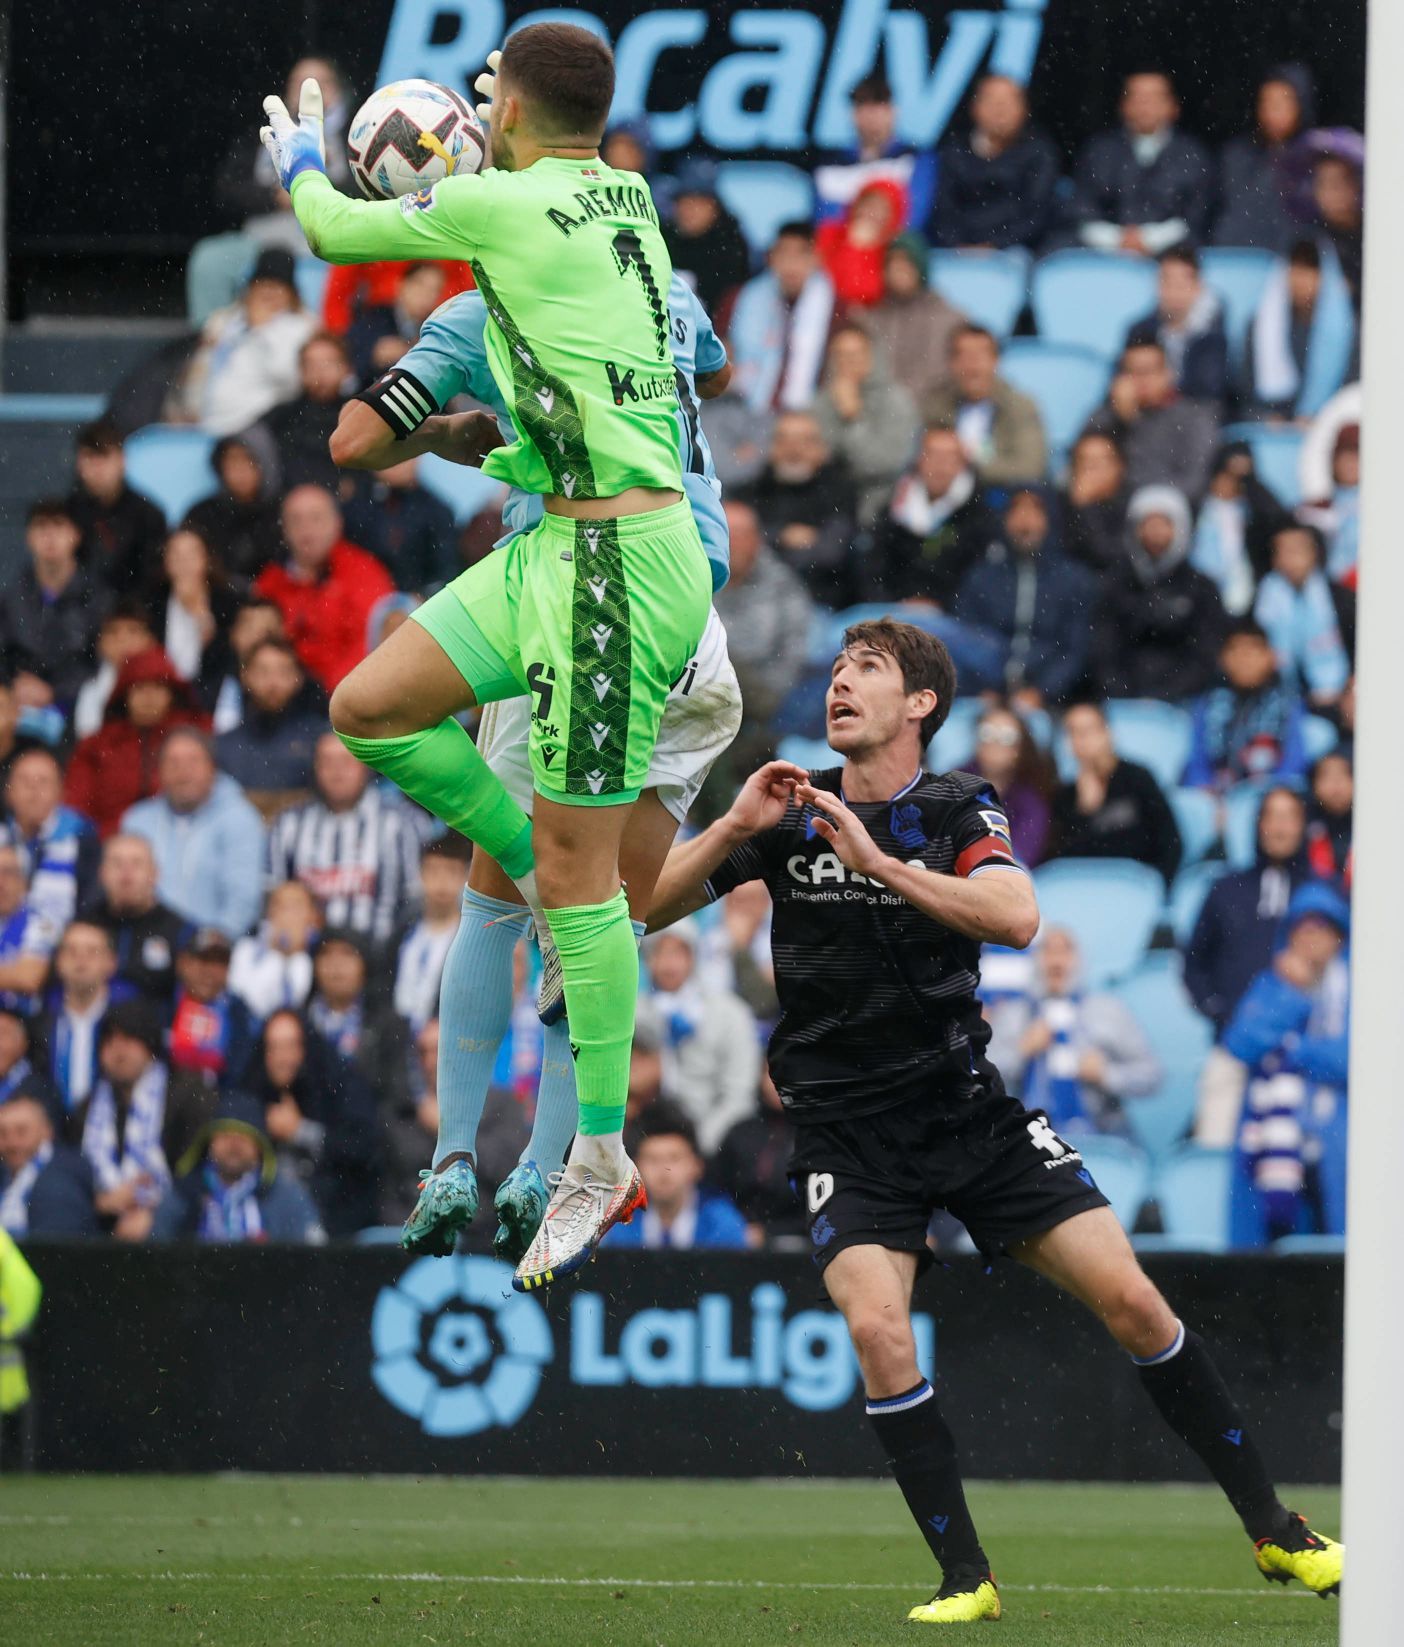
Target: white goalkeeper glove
295, 145
486, 83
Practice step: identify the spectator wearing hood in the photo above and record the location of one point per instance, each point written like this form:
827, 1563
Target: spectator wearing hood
1167, 440
1008, 757
300, 427
1039, 602
1234, 531
120, 528
269, 754
877, 153
1188, 324
1112, 808
125, 630
326, 587
196, 605
272, 968
780, 324
1302, 613
805, 500
207, 839
999, 426
1253, 181
1330, 818
405, 527
46, 1189
1337, 195
1238, 923
1077, 1055
853, 248
1250, 728
117, 766
1330, 475
703, 239
321, 1118
229, 1187
1148, 185
1302, 343
1277, 1083
239, 519
213, 1032
934, 529
1160, 622
913, 325
711, 1046
1094, 503
866, 419
997, 186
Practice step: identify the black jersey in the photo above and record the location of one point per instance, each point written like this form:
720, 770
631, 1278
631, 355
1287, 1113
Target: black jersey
876, 998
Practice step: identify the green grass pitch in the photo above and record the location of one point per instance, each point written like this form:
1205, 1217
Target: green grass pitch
227, 1561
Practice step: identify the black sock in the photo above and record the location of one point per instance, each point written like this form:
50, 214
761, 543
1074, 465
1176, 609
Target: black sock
921, 1452
1195, 1402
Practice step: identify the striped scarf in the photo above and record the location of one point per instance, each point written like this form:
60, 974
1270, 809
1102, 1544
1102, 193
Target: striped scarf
133, 1152
1051, 1081
230, 1212
14, 1203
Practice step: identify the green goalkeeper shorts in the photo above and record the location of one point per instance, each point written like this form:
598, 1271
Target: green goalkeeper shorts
596, 619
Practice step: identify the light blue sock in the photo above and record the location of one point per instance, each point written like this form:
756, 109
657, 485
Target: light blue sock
553, 1125
475, 1009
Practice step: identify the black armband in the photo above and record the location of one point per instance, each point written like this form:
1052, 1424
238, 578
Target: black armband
401, 399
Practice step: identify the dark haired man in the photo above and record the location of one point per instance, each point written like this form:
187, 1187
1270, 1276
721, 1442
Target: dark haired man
885, 880
121, 528
598, 608
1188, 324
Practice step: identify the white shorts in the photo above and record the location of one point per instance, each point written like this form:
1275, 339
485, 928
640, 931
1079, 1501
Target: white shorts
701, 717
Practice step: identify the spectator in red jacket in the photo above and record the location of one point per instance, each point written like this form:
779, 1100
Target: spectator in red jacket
356, 286
854, 251
325, 588
115, 767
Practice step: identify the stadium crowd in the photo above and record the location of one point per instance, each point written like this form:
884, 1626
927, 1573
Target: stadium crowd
220, 939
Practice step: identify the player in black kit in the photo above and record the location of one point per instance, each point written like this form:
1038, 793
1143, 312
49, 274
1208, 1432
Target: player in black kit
885, 880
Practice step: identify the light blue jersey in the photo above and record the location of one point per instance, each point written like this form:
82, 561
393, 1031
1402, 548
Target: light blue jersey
450, 359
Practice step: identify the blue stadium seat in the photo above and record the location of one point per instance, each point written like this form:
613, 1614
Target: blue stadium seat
1197, 813
1241, 807
1310, 1246
466, 491
1112, 905
1091, 298
1276, 457
1192, 1189
1154, 734
1155, 996
954, 744
989, 288
1067, 381
1238, 274
811, 753
311, 276
1187, 897
172, 466
1121, 1169
763, 194
378, 1235
50, 408
1319, 736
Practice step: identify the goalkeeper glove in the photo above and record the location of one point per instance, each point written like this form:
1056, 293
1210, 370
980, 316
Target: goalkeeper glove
486, 83
295, 146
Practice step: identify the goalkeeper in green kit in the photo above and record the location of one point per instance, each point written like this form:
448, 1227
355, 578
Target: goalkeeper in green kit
597, 611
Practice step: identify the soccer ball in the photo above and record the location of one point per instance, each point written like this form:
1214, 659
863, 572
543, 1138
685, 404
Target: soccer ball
409, 134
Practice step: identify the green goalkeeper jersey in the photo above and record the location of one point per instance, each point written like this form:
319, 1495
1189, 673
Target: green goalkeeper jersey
571, 263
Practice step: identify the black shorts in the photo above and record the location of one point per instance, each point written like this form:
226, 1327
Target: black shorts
876, 1180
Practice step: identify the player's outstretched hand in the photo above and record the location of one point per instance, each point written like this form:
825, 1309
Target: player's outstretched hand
486, 83
295, 146
469, 437
842, 829
764, 797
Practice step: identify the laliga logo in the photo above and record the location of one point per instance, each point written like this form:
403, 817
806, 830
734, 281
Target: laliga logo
456, 1348
786, 86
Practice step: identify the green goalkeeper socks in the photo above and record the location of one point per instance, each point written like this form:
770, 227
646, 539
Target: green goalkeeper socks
442, 770
600, 967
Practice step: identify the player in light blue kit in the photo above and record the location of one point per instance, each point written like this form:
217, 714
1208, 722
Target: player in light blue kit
701, 718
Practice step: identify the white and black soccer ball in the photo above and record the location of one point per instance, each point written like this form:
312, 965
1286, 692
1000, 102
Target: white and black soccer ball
409, 134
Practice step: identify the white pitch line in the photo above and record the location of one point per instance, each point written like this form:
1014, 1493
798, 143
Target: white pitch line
519, 1579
